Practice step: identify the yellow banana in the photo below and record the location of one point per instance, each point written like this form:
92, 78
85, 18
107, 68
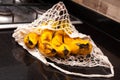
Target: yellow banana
46, 49
57, 39
84, 46
70, 42
78, 46
46, 35
44, 44
31, 39
63, 51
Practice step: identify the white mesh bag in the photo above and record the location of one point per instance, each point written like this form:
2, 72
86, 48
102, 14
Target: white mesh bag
57, 18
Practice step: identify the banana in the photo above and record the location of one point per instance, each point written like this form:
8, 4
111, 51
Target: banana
31, 39
57, 39
63, 51
78, 46
84, 46
46, 49
46, 35
71, 43
44, 43
58, 44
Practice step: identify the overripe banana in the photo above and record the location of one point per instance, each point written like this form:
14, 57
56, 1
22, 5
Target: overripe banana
57, 43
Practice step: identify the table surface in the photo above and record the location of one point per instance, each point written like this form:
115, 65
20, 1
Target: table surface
17, 64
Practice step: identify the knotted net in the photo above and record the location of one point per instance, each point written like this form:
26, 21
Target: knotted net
57, 18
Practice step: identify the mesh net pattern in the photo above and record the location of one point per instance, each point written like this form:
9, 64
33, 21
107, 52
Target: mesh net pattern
57, 18
96, 58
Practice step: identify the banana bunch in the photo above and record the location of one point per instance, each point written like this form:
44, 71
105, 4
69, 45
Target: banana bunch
57, 43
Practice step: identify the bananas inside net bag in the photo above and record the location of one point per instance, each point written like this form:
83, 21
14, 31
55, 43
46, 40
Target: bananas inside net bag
52, 36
